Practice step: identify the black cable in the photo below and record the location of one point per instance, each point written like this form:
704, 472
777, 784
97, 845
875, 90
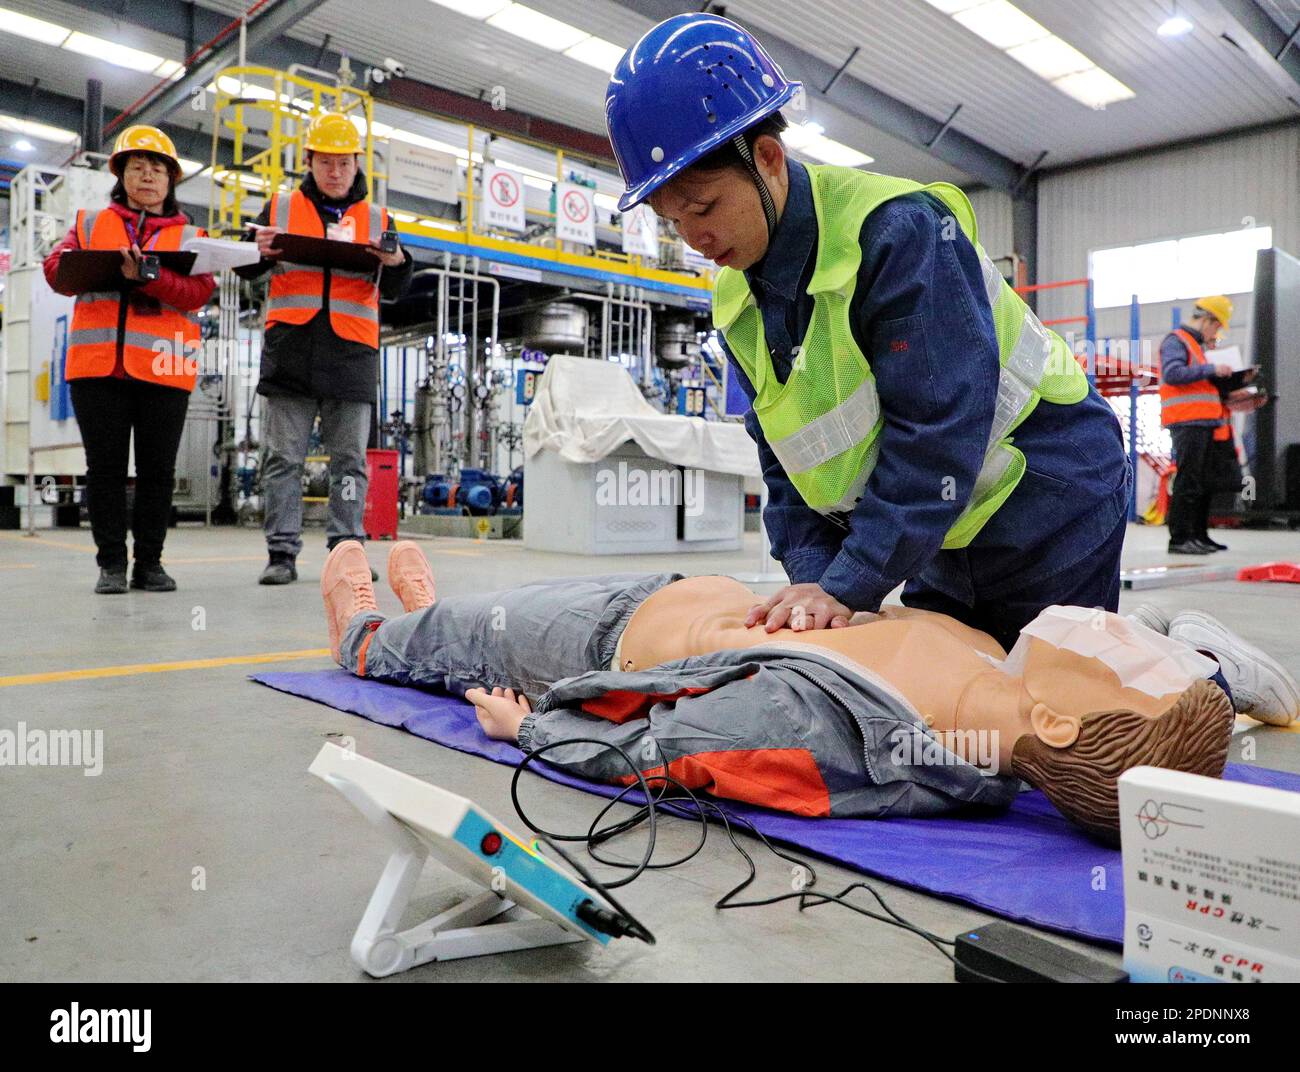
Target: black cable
646, 813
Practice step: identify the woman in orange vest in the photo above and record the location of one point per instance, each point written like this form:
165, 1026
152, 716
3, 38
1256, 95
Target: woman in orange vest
132, 358
1194, 411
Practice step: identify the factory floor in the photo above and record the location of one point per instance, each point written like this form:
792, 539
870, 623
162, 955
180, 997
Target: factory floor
206, 770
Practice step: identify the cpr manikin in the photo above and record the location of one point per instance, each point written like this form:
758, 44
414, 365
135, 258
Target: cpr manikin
1059, 705
1083, 696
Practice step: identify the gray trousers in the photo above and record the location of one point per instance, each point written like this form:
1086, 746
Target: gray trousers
526, 638
286, 433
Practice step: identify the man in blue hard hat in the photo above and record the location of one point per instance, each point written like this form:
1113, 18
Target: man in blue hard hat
887, 361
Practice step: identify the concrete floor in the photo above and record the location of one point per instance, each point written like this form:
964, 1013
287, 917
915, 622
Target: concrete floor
204, 769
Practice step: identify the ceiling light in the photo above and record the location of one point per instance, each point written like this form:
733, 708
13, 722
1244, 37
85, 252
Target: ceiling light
396, 134
829, 151
540, 29
24, 146
121, 55
475, 9
170, 69
34, 29
797, 135
1094, 88
597, 52
951, 7
1050, 57
1001, 24
1175, 26
39, 131
1031, 44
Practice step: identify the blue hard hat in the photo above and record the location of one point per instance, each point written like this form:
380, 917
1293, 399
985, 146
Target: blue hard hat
689, 85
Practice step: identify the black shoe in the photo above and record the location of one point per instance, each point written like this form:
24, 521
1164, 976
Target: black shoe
1189, 547
279, 570
112, 581
151, 577
1213, 545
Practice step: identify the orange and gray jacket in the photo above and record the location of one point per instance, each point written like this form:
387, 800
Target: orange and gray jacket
792, 729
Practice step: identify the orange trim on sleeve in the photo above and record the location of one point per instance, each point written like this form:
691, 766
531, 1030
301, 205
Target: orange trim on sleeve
786, 779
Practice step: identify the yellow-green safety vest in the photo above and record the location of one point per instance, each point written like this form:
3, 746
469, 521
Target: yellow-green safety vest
824, 423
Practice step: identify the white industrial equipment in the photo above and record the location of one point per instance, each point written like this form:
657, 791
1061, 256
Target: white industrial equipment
608, 474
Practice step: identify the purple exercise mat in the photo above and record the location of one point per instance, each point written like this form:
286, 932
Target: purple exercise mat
1028, 864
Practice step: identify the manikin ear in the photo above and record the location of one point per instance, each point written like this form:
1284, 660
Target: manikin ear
1053, 729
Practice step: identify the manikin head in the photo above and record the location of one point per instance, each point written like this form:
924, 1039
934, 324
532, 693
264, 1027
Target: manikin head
715, 204
1076, 756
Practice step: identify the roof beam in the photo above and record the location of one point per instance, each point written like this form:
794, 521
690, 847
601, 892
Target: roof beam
66, 112
264, 29
1265, 42
284, 51
872, 106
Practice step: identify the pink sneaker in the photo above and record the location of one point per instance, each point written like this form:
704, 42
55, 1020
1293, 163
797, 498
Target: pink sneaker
346, 587
409, 575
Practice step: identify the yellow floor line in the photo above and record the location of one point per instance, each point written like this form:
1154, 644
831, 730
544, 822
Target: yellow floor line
18, 565
160, 668
45, 541
168, 560
1256, 724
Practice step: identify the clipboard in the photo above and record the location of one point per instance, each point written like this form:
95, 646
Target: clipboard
325, 253
84, 270
1233, 382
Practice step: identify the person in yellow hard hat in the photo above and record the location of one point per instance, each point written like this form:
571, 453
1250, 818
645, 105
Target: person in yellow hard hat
1194, 411
130, 362
320, 354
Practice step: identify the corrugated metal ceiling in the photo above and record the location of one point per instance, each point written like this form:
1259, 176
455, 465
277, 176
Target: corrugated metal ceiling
1185, 87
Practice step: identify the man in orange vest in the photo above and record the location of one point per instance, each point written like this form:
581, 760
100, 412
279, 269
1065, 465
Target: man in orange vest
1193, 409
320, 353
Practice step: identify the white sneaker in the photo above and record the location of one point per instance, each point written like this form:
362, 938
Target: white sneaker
1261, 686
1152, 617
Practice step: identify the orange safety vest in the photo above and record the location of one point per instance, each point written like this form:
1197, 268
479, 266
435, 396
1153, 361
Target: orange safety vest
1195, 401
298, 291
161, 346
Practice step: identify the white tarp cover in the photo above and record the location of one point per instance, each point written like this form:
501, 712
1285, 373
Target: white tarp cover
584, 409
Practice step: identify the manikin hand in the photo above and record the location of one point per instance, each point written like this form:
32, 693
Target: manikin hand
499, 712
800, 606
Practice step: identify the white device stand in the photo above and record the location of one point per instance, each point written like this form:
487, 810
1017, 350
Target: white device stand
379, 948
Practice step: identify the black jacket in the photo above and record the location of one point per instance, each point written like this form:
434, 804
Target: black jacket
309, 360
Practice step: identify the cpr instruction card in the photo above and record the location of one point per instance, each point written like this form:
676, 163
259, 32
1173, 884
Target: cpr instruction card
1211, 879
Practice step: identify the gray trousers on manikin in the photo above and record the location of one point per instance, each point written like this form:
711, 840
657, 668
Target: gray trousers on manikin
345, 429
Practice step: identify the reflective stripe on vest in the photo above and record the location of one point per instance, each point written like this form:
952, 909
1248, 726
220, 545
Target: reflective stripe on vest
824, 424
159, 347
1196, 401
297, 292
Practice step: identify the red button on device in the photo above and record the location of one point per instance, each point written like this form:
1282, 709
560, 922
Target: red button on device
491, 844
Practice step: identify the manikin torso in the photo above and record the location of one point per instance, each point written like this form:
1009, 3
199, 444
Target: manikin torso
931, 659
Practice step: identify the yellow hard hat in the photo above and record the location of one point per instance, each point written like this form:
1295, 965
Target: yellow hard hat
142, 139
1218, 306
332, 133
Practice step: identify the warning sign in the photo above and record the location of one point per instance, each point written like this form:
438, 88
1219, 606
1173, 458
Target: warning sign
575, 213
503, 198
641, 231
